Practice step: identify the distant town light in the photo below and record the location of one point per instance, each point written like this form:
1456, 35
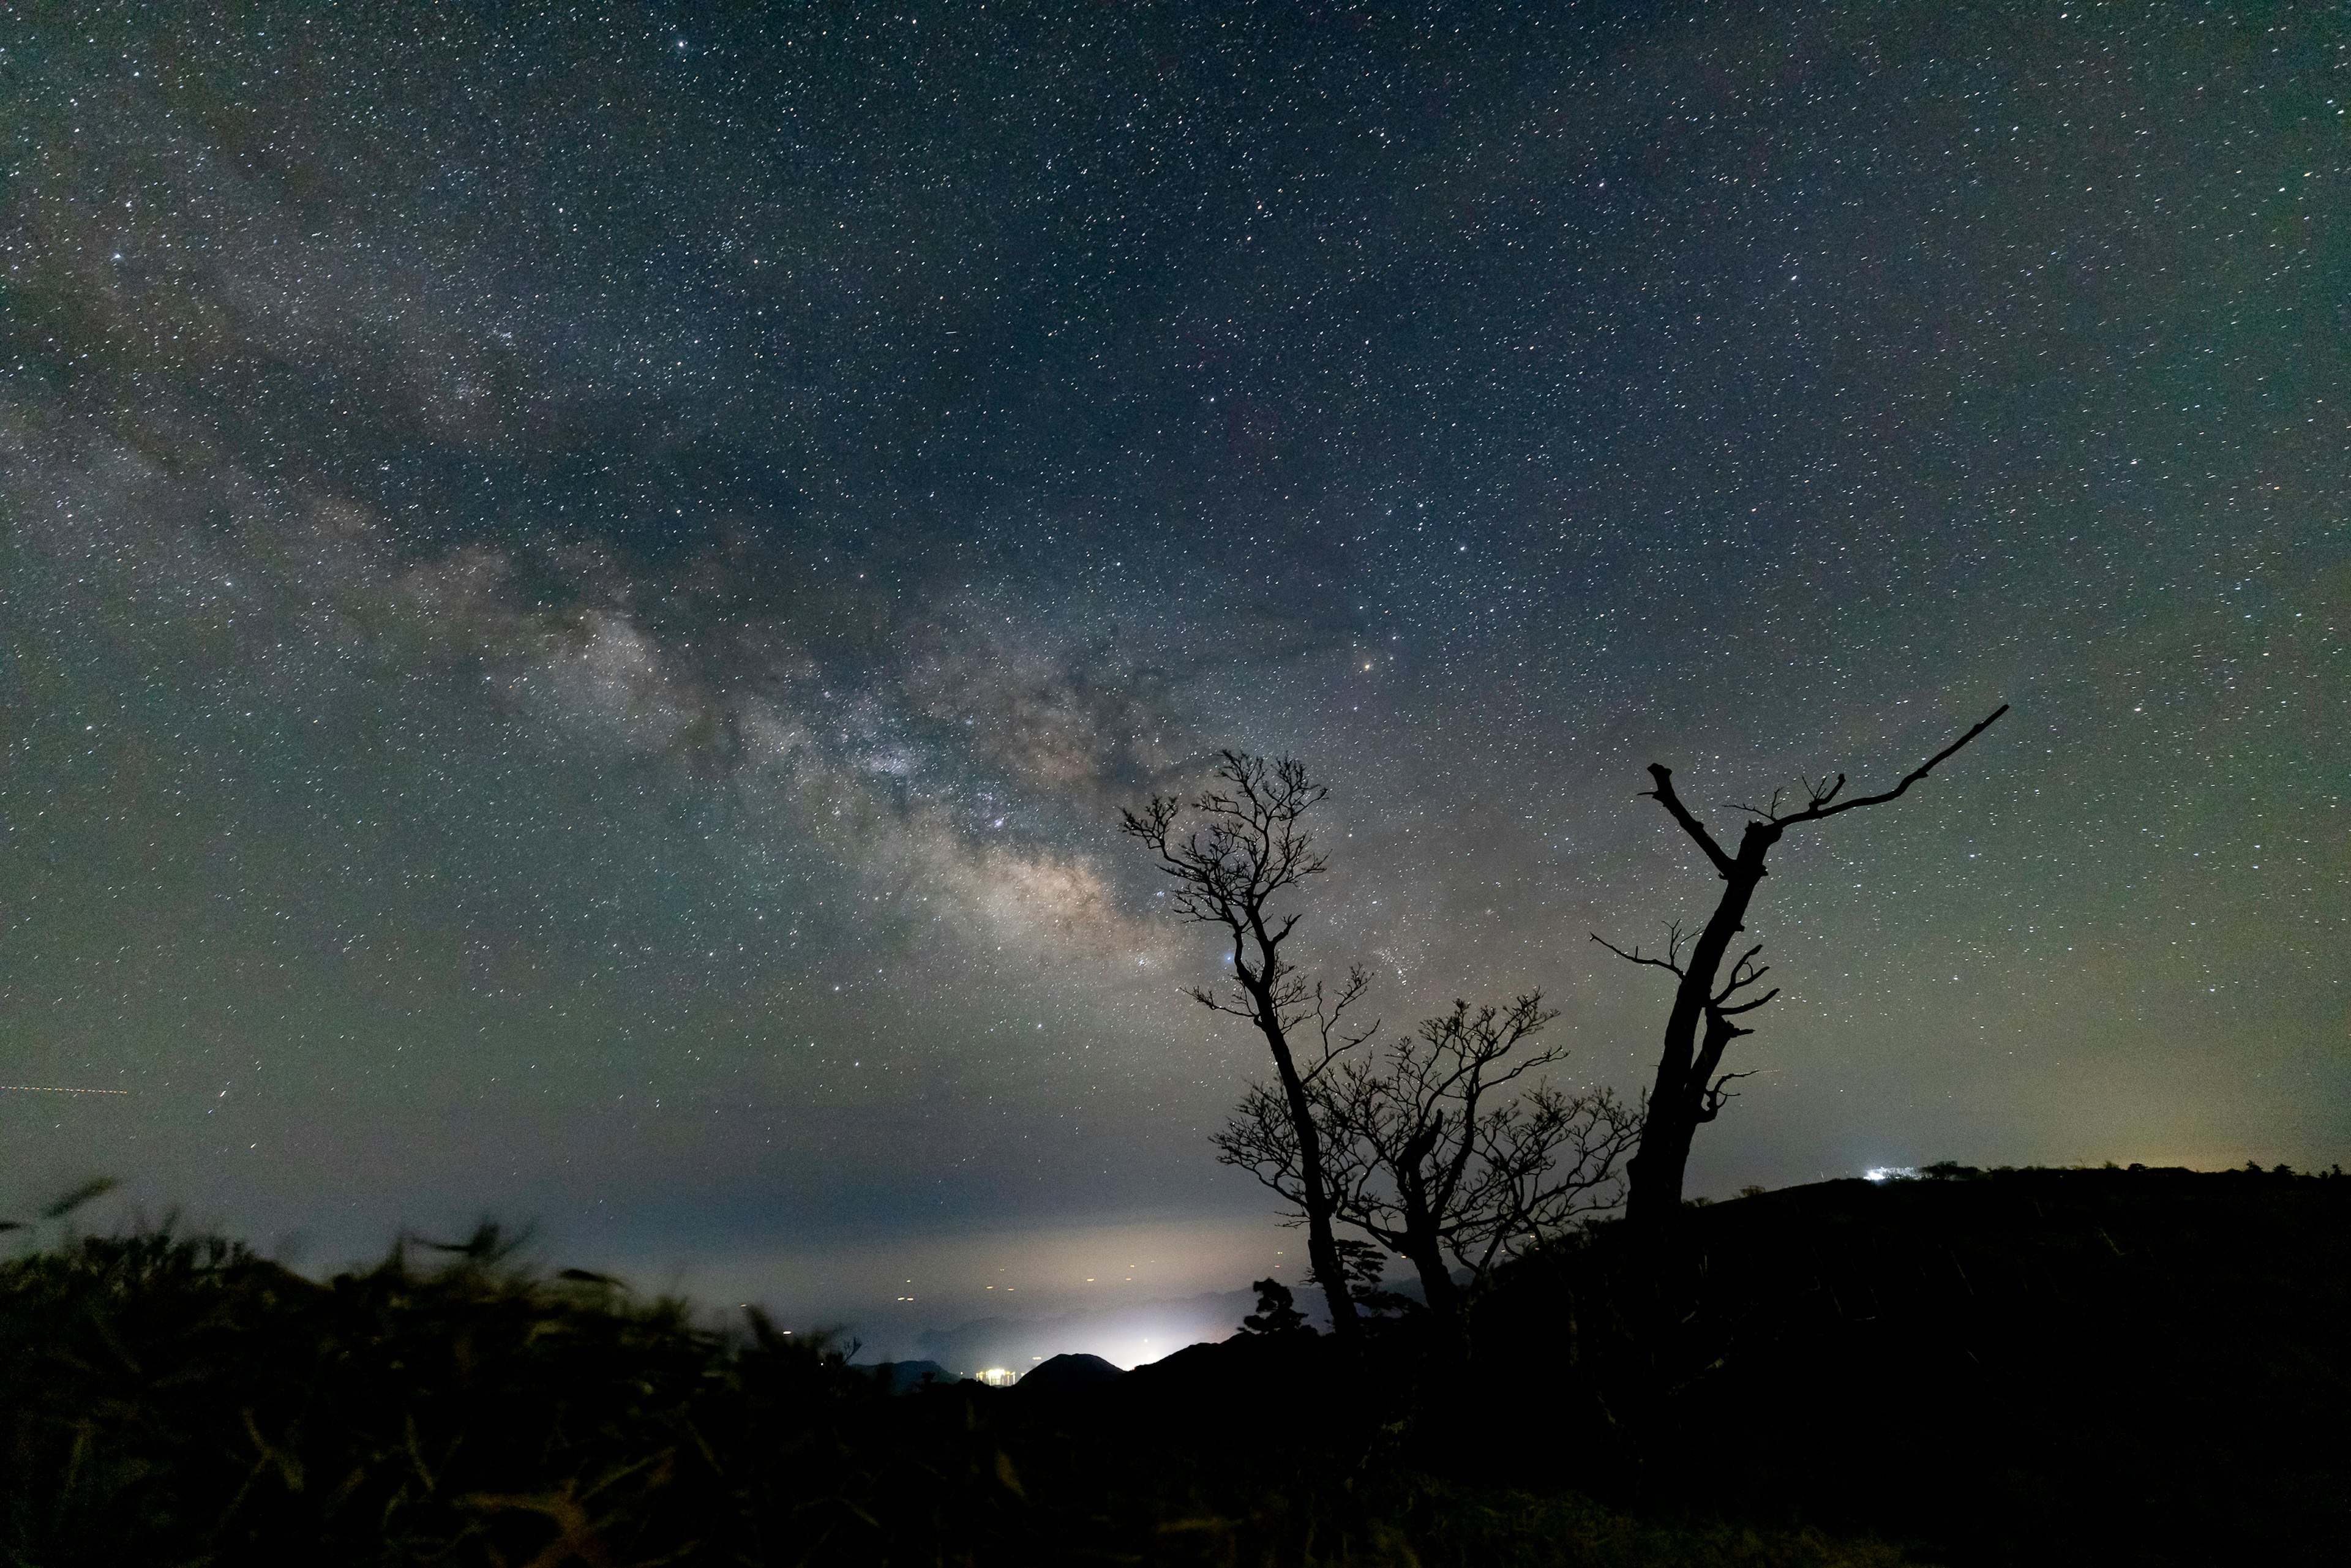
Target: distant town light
1891, 1173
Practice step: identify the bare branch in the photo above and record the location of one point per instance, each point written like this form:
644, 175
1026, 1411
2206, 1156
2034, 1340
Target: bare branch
1242, 1009
1743, 973
1664, 795
1820, 809
1760, 813
1746, 1007
1636, 956
1329, 1016
1716, 1096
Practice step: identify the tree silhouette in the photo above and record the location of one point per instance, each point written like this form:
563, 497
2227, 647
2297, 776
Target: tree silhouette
1690, 1088
1431, 1150
1237, 853
1366, 1266
1277, 1311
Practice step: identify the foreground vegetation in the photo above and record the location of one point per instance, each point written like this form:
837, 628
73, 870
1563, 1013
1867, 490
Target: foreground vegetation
2032, 1367
176, 1400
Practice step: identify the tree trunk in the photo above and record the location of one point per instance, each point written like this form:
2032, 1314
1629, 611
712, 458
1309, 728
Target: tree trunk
1420, 1243
1436, 1278
1322, 1243
1677, 1099
1686, 1093
1653, 1193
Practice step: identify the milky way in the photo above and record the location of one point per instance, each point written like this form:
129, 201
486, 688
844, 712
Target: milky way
580, 596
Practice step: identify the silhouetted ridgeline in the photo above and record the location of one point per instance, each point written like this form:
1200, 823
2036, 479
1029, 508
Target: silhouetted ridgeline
2145, 1367
2036, 1367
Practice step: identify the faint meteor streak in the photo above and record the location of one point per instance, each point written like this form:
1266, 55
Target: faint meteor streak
53, 1088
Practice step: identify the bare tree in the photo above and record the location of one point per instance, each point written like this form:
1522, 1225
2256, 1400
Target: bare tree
1690, 1088
1237, 853
1429, 1149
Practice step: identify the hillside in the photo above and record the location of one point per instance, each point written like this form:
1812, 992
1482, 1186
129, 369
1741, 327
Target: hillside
2096, 1365
2019, 1368
180, 1401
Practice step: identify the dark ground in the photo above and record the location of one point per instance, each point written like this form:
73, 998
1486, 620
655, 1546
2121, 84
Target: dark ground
2017, 1367
2029, 1366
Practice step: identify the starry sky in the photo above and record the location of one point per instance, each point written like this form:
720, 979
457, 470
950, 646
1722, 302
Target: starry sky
579, 594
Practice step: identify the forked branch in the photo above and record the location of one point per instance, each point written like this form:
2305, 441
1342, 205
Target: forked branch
1670, 963
1822, 794
1711, 1103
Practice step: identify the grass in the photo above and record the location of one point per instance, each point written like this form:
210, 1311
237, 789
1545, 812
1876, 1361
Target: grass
178, 1400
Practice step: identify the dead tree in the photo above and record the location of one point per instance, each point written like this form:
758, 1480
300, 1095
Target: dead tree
1240, 850
1690, 1087
1430, 1150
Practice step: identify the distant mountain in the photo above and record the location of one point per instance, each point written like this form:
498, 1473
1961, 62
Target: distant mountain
1123, 1335
905, 1376
1076, 1372
1198, 1388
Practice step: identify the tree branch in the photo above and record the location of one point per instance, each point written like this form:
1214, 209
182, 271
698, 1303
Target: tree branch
1741, 976
1717, 1095
1664, 796
1821, 809
1635, 956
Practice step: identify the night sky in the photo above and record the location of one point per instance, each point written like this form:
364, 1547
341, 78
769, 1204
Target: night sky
578, 596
